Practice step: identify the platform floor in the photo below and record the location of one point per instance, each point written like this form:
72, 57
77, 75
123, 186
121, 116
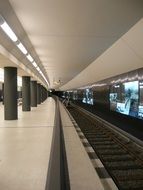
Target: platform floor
25, 148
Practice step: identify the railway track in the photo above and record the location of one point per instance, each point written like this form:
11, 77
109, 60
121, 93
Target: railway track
122, 159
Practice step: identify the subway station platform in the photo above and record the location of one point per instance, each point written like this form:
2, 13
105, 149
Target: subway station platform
89, 56
26, 146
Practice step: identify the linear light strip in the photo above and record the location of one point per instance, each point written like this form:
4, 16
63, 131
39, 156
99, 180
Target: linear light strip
34, 64
9, 32
30, 58
6, 28
22, 48
38, 69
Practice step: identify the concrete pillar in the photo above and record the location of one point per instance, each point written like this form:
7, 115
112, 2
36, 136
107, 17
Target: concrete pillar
42, 94
3, 93
38, 94
26, 98
45, 93
33, 93
41, 89
10, 93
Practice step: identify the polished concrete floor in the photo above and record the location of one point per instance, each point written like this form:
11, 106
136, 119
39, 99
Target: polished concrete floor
25, 147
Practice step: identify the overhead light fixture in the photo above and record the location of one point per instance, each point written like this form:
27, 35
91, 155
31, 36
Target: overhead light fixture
34, 64
7, 29
38, 69
42, 75
30, 58
22, 48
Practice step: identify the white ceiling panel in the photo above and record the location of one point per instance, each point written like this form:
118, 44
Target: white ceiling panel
68, 35
123, 56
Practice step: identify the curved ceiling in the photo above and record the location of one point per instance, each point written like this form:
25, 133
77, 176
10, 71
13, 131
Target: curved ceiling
68, 35
125, 55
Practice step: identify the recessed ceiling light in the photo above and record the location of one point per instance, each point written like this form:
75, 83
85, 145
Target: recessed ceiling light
38, 69
30, 58
22, 48
9, 31
34, 64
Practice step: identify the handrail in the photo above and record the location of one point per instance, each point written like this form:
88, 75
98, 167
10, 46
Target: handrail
57, 177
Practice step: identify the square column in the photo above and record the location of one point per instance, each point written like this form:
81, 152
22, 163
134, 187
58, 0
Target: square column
38, 94
10, 93
33, 93
26, 99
